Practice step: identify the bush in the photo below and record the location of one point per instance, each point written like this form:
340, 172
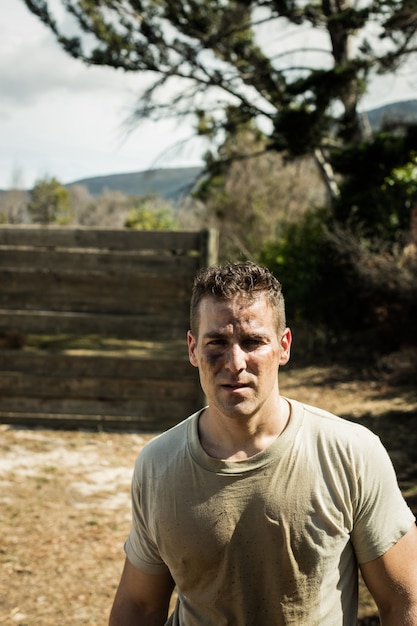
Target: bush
343, 291
296, 260
50, 203
151, 214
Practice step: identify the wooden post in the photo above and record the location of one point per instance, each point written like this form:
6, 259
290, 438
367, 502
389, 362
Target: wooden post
209, 247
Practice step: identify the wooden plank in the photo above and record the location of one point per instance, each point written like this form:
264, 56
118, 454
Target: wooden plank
175, 242
92, 387
127, 423
173, 320
179, 409
141, 326
93, 292
75, 365
98, 260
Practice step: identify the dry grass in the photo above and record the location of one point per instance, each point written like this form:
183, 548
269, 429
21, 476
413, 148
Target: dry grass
65, 507
65, 513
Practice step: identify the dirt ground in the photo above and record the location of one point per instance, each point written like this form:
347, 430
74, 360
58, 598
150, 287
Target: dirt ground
65, 506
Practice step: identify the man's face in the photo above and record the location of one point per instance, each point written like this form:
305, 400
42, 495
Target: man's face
238, 352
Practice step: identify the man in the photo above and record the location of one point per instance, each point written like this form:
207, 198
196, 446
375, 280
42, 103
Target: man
259, 508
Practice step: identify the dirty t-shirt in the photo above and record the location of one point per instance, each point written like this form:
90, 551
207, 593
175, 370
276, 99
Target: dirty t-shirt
272, 540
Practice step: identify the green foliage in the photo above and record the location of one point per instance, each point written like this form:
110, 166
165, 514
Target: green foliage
345, 290
50, 203
296, 259
376, 190
403, 180
318, 279
298, 130
147, 216
405, 176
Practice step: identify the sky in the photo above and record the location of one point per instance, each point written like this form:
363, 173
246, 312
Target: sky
60, 118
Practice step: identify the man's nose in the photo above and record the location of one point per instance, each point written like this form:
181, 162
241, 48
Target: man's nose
235, 358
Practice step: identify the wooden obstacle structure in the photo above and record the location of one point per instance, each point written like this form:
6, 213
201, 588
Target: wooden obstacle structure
93, 326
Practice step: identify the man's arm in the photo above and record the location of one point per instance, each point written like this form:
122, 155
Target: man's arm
141, 599
392, 581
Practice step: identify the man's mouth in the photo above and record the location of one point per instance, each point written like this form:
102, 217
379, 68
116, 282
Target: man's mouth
233, 386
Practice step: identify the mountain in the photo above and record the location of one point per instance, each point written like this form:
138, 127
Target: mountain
403, 111
171, 184
175, 183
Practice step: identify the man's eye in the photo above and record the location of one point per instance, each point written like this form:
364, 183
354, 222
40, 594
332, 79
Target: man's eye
253, 343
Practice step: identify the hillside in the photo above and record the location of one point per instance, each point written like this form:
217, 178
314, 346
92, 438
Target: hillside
405, 111
170, 184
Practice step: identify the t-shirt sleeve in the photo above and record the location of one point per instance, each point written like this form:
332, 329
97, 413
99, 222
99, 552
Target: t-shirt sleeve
381, 514
140, 546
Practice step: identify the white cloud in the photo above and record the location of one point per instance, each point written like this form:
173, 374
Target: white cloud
61, 118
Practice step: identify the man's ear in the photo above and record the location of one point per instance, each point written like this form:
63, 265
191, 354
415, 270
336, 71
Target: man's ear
286, 340
191, 348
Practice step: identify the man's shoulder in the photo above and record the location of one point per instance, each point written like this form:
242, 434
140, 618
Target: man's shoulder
327, 423
171, 441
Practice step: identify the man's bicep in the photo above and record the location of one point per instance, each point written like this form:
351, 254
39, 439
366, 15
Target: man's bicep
392, 578
141, 594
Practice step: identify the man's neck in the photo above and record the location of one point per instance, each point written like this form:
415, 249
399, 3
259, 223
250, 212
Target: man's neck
238, 438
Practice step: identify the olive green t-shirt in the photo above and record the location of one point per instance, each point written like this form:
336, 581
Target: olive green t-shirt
273, 540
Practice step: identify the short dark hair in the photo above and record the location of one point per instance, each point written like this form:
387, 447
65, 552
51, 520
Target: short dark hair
245, 280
